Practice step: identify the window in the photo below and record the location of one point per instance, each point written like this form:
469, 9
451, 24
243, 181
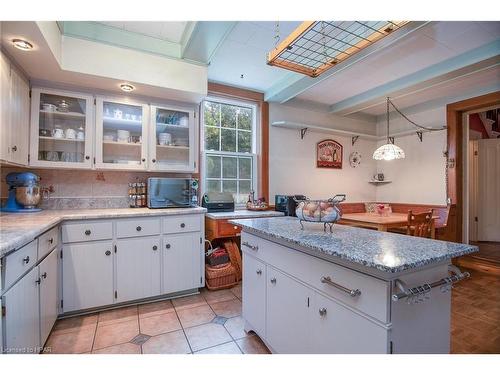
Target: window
229, 148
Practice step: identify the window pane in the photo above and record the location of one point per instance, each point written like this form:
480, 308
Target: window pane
245, 168
211, 114
212, 139
228, 140
245, 119
245, 187
229, 186
228, 116
213, 166
244, 142
213, 186
229, 167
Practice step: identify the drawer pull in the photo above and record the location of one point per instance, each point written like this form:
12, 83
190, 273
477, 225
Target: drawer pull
352, 292
26, 259
87, 232
167, 246
322, 311
252, 247
44, 275
273, 280
155, 247
183, 225
108, 253
259, 272
138, 228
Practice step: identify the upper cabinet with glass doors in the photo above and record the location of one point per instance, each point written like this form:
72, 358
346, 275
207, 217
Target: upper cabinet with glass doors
121, 134
61, 129
172, 143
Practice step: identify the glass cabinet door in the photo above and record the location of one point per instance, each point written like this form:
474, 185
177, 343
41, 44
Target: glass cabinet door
61, 129
172, 141
121, 135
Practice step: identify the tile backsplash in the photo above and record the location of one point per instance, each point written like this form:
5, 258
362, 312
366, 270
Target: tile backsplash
84, 189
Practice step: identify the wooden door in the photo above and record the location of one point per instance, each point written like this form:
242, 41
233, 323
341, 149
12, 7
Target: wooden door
22, 316
87, 275
20, 116
49, 302
181, 262
287, 314
489, 190
254, 294
137, 268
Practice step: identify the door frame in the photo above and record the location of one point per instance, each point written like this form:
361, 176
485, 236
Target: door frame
455, 153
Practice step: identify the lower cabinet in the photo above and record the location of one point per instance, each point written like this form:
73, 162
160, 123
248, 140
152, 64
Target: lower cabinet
49, 303
137, 268
181, 262
87, 275
254, 294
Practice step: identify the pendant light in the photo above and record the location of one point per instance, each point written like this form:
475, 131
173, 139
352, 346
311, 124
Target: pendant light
389, 151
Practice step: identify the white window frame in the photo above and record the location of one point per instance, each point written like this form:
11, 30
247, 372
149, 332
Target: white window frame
255, 144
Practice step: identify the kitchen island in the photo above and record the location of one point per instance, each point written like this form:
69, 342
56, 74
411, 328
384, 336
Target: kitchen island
350, 291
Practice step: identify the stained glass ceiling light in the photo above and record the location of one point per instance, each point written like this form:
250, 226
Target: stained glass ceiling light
389, 151
316, 46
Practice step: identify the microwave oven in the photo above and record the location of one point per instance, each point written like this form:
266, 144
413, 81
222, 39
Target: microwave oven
172, 192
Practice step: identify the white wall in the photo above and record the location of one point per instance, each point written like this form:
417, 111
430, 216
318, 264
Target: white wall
292, 161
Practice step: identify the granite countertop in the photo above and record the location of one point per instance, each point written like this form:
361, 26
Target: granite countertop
17, 229
387, 252
242, 214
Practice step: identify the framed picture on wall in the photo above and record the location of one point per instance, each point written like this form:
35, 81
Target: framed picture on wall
329, 154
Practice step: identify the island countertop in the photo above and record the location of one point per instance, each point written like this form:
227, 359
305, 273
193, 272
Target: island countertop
17, 229
387, 252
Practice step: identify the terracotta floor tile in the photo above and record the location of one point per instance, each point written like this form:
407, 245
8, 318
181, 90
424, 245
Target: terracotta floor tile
126, 348
71, 342
207, 335
188, 302
122, 314
236, 290
227, 309
168, 343
158, 324
155, 308
212, 296
252, 345
117, 333
228, 348
235, 327
196, 316
75, 324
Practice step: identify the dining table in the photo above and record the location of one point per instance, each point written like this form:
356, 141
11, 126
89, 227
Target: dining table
381, 222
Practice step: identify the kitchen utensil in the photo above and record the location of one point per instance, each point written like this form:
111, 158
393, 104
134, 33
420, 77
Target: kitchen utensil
80, 133
323, 211
70, 133
44, 132
165, 138
118, 114
63, 106
52, 156
49, 107
24, 192
123, 135
42, 155
58, 133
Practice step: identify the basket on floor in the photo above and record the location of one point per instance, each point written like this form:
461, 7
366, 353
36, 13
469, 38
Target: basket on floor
220, 277
234, 256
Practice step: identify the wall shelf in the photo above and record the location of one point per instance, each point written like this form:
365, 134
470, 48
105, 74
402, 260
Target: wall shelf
379, 182
304, 128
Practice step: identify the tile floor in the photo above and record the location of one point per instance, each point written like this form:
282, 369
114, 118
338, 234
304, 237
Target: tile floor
207, 323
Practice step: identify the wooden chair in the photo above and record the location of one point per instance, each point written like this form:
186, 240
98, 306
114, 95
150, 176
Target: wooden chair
419, 225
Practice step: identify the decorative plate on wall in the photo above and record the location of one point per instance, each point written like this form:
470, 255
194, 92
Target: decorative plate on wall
354, 159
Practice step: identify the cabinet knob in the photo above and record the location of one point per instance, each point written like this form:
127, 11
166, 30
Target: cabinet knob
108, 253
87, 157
273, 280
153, 160
155, 247
183, 225
87, 232
139, 228
26, 259
143, 160
322, 311
14, 148
259, 272
44, 275
167, 246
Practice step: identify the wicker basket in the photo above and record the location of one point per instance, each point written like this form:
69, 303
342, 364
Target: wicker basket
234, 256
220, 277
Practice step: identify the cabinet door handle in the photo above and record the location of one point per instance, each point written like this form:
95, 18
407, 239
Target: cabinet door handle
167, 246
44, 275
155, 247
51, 241
273, 280
108, 253
14, 148
259, 272
26, 259
252, 247
87, 232
183, 225
352, 292
322, 311
38, 281
138, 228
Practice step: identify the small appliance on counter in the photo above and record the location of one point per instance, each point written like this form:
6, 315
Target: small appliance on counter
218, 202
172, 192
24, 192
287, 203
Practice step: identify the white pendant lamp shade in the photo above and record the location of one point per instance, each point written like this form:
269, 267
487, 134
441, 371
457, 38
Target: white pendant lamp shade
388, 151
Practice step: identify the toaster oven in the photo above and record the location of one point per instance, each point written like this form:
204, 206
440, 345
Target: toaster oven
172, 192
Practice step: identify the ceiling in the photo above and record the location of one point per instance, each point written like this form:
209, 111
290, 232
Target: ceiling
170, 31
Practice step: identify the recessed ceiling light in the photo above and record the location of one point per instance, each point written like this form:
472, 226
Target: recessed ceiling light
22, 44
127, 87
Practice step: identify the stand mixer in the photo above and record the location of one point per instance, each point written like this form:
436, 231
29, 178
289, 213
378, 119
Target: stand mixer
24, 192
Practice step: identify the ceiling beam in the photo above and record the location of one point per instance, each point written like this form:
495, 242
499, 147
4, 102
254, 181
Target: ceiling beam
286, 90
464, 64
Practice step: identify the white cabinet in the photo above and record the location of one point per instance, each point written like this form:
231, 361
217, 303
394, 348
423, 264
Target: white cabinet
15, 111
137, 268
181, 262
121, 134
22, 315
254, 293
87, 275
49, 302
172, 139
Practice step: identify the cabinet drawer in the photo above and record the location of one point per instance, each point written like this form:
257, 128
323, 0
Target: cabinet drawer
180, 224
48, 241
137, 227
18, 263
87, 231
224, 228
